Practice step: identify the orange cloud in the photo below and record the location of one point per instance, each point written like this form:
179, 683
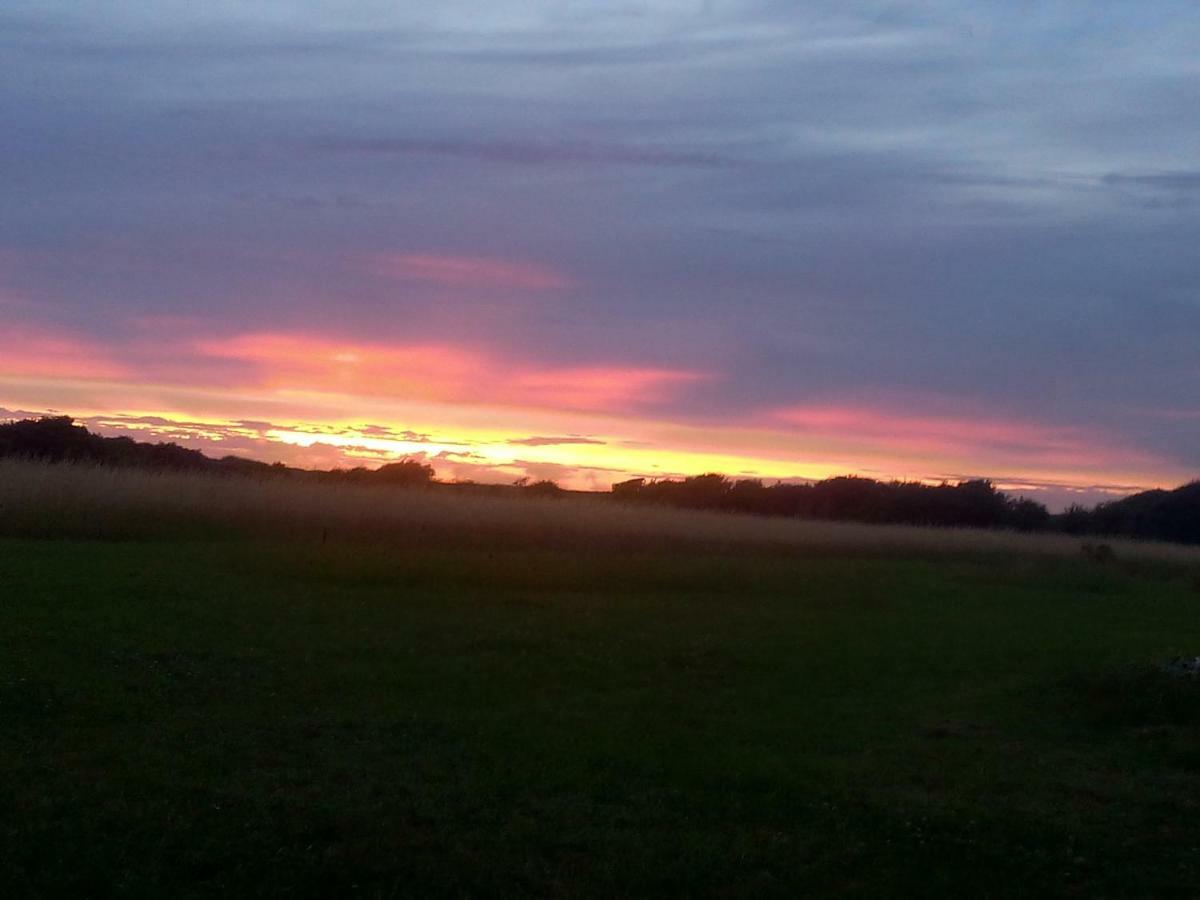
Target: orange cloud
444, 373
471, 272
42, 353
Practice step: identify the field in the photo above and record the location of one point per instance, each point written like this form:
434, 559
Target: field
221, 688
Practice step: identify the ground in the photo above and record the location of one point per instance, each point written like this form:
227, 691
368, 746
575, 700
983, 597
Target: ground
222, 718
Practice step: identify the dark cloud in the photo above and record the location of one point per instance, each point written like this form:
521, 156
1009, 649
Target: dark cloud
553, 441
383, 431
1167, 181
308, 201
1166, 191
520, 153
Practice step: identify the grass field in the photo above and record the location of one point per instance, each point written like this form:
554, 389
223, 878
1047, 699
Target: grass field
83, 501
386, 715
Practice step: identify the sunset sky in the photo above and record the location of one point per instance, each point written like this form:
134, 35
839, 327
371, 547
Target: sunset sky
592, 240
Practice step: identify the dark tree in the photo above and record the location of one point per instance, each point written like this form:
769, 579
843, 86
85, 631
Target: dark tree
406, 473
972, 503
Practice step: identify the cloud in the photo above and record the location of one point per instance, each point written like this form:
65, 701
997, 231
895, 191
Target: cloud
524, 153
311, 362
980, 437
813, 200
310, 201
1183, 180
445, 373
1173, 414
38, 352
553, 441
1166, 190
15, 414
469, 272
383, 431
603, 387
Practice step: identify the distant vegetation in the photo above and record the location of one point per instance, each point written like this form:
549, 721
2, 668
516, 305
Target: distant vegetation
1157, 515
974, 504
1160, 515
60, 439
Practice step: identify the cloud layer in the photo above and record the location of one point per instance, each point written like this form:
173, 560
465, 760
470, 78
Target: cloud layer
910, 238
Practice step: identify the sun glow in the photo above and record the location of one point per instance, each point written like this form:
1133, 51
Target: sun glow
476, 414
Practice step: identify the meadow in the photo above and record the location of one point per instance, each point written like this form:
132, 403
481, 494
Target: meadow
227, 687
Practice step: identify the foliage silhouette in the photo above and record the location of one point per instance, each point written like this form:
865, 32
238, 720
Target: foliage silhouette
1158, 515
971, 503
60, 439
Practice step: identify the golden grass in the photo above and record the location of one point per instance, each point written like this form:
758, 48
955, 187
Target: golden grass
84, 501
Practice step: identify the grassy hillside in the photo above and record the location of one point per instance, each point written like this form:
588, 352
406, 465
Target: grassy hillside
543, 702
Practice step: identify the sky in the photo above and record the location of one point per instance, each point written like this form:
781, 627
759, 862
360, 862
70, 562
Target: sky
588, 241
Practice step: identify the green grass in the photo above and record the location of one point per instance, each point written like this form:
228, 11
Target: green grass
258, 719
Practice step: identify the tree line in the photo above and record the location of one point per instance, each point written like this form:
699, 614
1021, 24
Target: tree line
1162, 515
1159, 514
976, 503
61, 439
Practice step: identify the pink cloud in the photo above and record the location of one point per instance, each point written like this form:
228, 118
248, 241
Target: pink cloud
861, 420
601, 388
470, 272
430, 371
160, 323
962, 437
46, 353
442, 372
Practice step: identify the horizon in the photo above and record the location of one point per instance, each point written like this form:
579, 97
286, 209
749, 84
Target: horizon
929, 242
1070, 499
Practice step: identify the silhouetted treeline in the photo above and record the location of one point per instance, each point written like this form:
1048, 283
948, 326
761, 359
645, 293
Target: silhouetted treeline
60, 439
971, 503
1152, 515
1156, 515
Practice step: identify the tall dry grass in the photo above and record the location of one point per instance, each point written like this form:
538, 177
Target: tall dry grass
85, 501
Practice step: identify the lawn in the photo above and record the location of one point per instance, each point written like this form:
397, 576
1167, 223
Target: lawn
216, 718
